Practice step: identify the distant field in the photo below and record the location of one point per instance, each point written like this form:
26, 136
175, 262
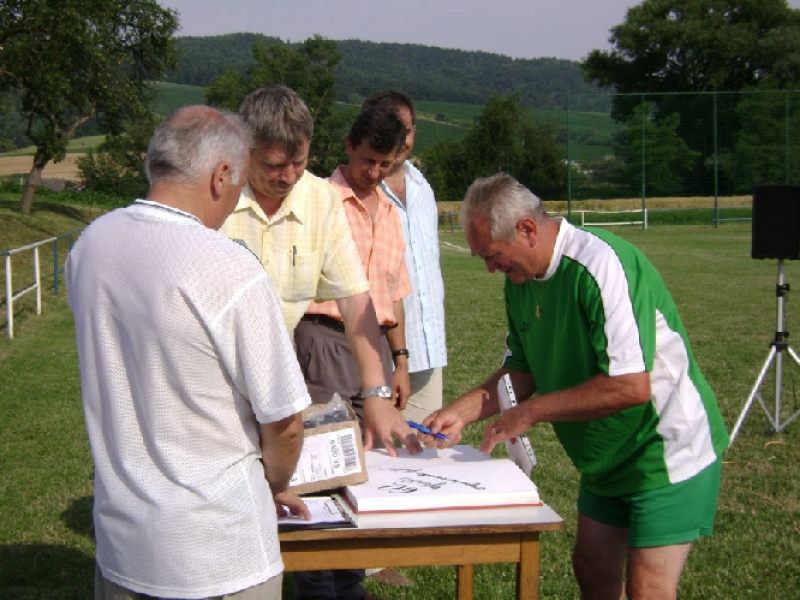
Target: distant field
591, 133
77, 146
436, 121
21, 165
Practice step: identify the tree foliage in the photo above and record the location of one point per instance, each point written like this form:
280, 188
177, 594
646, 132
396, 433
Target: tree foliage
653, 149
667, 48
71, 60
699, 45
202, 59
117, 167
449, 75
767, 144
308, 70
502, 138
12, 127
424, 72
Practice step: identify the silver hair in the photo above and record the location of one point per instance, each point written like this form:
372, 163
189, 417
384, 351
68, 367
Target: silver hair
189, 144
501, 201
277, 116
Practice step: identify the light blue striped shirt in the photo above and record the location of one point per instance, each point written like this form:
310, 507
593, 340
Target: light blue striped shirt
424, 307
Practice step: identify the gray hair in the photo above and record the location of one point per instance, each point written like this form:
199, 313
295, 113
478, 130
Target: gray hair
277, 116
189, 144
502, 201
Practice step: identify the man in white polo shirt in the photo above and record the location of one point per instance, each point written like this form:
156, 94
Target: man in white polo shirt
191, 389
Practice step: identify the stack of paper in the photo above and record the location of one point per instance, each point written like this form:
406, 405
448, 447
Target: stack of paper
458, 477
325, 514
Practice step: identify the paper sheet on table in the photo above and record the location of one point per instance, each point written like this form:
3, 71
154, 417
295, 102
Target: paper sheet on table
324, 512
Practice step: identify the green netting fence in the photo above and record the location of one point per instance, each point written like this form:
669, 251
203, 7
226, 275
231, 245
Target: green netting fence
699, 145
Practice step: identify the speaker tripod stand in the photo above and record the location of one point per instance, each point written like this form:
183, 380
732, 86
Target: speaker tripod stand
778, 348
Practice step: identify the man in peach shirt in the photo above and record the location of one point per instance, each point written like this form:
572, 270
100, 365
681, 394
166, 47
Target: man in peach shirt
325, 358
294, 223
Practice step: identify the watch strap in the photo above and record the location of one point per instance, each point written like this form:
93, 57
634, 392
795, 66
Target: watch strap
382, 391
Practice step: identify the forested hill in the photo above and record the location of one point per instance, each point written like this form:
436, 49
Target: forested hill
429, 73
203, 58
424, 72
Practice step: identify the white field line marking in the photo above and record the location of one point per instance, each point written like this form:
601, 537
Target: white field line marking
450, 246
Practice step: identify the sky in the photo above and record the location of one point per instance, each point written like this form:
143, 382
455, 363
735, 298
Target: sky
567, 29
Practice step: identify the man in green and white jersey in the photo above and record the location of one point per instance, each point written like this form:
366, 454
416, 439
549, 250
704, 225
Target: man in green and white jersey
596, 345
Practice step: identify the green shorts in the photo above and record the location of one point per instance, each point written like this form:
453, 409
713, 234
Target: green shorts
676, 514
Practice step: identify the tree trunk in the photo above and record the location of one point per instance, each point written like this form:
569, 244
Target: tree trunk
32, 183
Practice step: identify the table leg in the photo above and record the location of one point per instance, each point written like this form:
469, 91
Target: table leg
465, 578
528, 567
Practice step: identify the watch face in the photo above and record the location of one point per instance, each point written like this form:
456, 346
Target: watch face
382, 391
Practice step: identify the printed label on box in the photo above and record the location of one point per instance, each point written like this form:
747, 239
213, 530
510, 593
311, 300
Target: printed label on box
327, 455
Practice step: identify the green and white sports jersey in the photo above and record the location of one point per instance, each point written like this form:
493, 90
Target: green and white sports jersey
602, 307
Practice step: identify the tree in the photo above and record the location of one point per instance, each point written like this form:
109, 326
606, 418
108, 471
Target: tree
697, 46
117, 167
767, 145
666, 47
308, 70
72, 60
653, 150
502, 138
12, 128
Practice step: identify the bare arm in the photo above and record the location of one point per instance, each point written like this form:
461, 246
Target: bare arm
281, 445
401, 385
382, 420
477, 404
600, 396
363, 337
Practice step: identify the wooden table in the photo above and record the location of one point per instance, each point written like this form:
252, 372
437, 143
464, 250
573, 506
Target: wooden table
462, 538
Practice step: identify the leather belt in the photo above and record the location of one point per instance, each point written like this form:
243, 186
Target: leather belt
336, 324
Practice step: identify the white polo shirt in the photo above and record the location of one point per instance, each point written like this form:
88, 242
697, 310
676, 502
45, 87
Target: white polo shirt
183, 352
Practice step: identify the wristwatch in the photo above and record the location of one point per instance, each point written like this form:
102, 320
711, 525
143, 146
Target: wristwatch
382, 391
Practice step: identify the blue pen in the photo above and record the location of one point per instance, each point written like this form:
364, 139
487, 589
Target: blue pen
423, 429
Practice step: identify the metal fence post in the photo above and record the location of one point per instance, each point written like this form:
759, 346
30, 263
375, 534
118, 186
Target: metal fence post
37, 280
787, 115
9, 300
569, 162
55, 267
716, 163
644, 154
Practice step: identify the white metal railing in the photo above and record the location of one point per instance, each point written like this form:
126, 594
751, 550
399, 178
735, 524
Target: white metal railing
36, 286
584, 223
450, 219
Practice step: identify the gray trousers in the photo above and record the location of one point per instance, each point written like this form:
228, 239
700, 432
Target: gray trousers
328, 366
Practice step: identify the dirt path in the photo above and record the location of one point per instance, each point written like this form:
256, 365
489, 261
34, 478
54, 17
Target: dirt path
21, 165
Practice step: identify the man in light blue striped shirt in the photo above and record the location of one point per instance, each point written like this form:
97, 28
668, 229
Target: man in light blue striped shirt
424, 307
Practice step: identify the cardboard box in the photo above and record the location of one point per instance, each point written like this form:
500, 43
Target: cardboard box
333, 453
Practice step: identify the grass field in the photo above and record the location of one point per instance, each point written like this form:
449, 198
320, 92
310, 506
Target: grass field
726, 299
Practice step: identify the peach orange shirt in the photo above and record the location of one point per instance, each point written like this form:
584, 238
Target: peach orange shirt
381, 246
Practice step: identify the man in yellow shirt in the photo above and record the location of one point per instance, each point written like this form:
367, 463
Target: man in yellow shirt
294, 222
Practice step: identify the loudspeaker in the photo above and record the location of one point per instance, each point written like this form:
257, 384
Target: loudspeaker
776, 222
